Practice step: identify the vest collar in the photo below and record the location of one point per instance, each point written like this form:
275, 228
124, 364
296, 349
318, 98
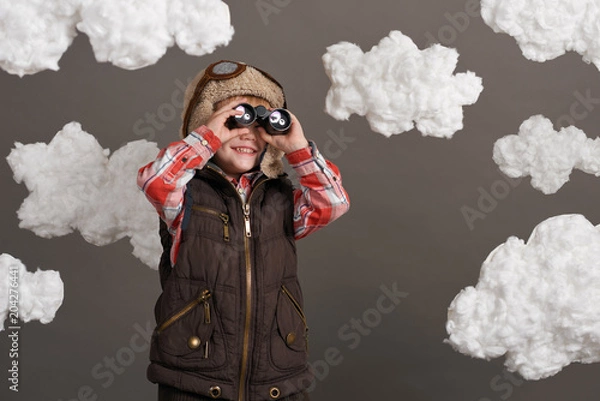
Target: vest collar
220, 180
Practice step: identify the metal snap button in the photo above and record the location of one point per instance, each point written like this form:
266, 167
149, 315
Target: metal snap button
215, 391
193, 342
274, 392
290, 338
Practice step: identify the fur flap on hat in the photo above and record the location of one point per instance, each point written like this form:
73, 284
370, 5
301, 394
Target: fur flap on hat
251, 82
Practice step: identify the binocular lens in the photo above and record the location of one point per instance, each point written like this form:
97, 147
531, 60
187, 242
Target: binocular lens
248, 117
279, 120
276, 122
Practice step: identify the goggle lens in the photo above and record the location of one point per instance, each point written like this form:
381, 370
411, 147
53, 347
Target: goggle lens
225, 70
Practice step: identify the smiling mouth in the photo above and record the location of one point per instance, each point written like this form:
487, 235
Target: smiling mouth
247, 151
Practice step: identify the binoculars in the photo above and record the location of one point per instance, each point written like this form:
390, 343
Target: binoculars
275, 122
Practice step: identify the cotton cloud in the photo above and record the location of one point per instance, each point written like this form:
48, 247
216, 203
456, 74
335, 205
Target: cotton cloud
75, 186
546, 155
546, 29
128, 33
32, 296
538, 302
396, 85
27, 47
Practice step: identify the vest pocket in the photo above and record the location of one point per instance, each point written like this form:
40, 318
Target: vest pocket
213, 212
289, 345
188, 337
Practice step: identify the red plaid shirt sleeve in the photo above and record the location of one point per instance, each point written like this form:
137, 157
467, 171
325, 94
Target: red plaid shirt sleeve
321, 198
163, 181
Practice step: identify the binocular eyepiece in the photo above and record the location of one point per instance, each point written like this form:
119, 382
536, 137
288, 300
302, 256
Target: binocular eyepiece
275, 122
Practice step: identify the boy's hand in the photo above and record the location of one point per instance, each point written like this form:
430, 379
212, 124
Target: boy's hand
289, 142
216, 122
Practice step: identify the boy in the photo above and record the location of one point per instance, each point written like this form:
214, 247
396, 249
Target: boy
230, 318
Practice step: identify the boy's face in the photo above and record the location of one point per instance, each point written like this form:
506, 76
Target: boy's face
241, 153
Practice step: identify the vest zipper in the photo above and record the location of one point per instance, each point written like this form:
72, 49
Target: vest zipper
224, 217
248, 319
202, 298
247, 236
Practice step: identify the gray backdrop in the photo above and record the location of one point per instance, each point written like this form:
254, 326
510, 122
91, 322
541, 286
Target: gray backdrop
405, 227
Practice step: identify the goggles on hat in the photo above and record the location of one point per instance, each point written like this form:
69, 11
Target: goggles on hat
221, 70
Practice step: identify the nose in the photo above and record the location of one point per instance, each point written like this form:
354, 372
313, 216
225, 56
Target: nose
250, 133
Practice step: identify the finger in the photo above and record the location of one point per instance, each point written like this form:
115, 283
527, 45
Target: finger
228, 111
231, 113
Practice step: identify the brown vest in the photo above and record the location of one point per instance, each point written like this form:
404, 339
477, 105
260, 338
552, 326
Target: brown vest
230, 323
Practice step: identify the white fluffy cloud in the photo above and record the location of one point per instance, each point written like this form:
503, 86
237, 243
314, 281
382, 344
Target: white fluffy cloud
130, 34
32, 296
75, 186
546, 155
396, 85
27, 47
546, 29
538, 302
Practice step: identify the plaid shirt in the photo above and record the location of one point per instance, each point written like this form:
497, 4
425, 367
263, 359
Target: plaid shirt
320, 199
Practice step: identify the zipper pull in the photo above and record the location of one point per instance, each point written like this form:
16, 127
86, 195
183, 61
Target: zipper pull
204, 299
246, 209
206, 349
206, 312
225, 219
